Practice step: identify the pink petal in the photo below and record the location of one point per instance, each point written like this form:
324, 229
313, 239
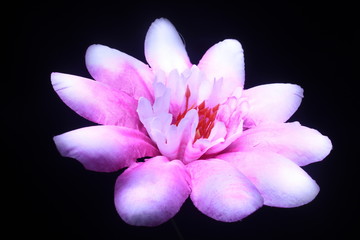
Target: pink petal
173, 141
280, 181
164, 48
222, 192
225, 60
275, 102
231, 114
119, 70
105, 148
150, 193
300, 144
96, 101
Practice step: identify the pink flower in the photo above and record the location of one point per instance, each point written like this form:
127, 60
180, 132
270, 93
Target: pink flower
227, 148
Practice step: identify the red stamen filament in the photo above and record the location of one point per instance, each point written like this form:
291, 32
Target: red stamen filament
206, 117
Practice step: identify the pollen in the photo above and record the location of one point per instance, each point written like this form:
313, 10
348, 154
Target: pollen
206, 115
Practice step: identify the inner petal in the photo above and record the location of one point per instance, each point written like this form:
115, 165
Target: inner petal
207, 116
187, 119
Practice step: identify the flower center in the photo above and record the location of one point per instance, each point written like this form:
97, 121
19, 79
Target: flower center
206, 117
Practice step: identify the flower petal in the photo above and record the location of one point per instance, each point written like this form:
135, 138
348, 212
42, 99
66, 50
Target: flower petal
225, 60
173, 141
119, 70
280, 181
164, 48
105, 148
231, 113
150, 193
275, 102
300, 144
96, 101
222, 192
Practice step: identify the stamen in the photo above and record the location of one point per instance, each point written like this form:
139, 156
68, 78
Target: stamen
187, 95
206, 121
206, 117
182, 115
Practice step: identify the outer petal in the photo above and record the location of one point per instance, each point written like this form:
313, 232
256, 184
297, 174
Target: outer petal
105, 148
164, 48
225, 60
119, 70
275, 102
96, 101
221, 192
300, 144
151, 193
280, 181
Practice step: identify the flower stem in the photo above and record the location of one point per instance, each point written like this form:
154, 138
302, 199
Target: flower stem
177, 229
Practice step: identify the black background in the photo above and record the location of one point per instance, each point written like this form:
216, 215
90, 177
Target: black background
310, 44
